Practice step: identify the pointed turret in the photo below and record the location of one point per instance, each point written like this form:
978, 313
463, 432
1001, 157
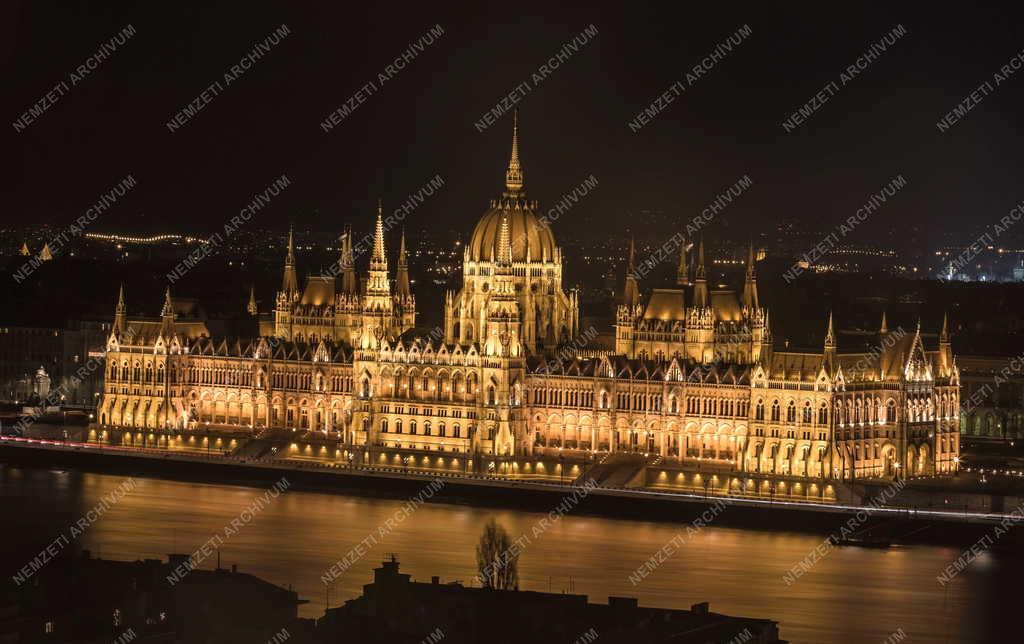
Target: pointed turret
45, 255
379, 259
120, 313
290, 282
701, 298
251, 307
830, 345
504, 241
945, 348
402, 278
683, 271
24, 250
377, 283
750, 284
884, 328
631, 291
514, 174
167, 315
349, 281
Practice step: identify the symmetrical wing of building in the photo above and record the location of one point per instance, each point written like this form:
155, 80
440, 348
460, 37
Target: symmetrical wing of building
692, 376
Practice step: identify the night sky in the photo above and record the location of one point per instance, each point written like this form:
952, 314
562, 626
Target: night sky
420, 123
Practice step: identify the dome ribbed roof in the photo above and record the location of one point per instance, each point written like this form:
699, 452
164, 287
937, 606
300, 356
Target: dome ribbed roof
528, 231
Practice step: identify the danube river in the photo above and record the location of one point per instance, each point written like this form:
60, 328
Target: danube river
850, 595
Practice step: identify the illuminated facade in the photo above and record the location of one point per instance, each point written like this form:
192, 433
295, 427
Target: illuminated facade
692, 377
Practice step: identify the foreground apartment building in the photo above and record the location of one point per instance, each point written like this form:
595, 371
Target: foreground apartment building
692, 376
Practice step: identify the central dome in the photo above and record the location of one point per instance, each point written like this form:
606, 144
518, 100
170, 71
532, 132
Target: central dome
530, 234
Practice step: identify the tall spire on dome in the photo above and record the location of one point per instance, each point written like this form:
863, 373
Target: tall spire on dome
379, 260
514, 174
290, 283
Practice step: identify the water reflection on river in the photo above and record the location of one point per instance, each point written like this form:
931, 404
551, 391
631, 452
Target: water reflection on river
852, 595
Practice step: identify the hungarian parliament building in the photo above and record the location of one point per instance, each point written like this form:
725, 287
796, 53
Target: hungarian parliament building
691, 375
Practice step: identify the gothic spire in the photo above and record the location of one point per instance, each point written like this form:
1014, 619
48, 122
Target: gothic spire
167, 315
379, 261
885, 324
750, 284
701, 271
349, 282
944, 334
402, 278
830, 335
251, 307
168, 309
682, 272
701, 298
514, 174
505, 241
120, 312
377, 282
631, 291
290, 282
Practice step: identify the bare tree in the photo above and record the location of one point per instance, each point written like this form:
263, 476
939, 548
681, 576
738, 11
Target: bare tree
497, 558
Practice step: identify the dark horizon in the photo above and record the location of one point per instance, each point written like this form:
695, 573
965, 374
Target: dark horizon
420, 123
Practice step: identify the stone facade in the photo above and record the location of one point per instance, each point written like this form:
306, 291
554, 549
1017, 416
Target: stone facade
693, 376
